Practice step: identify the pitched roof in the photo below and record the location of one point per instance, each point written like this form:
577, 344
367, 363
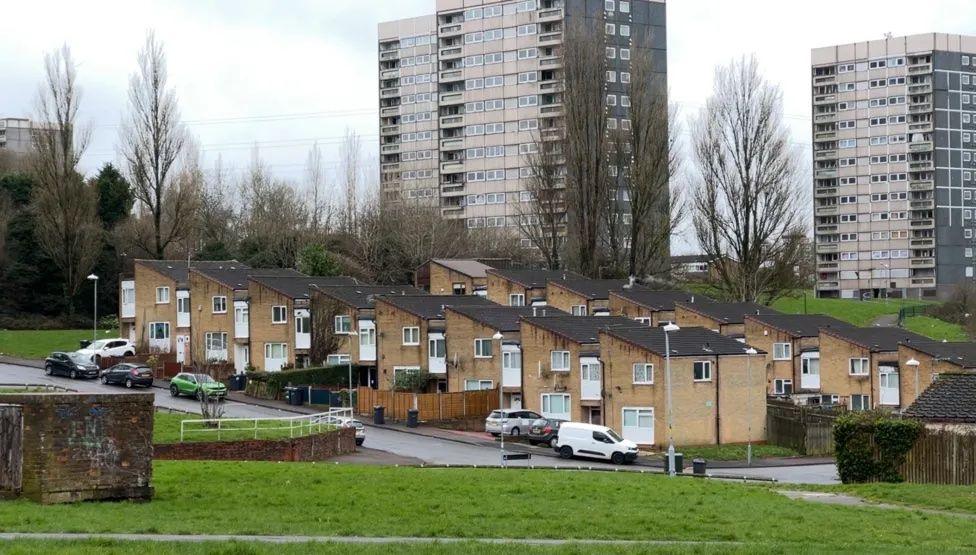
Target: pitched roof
950, 398
362, 296
581, 329
727, 313
877, 338
235, 277
689, 258
659, 300
693, 341
177, 270
532, 279
299, 287
468, 267
960, 353
799, 325
590, 288
505, 318
431, 307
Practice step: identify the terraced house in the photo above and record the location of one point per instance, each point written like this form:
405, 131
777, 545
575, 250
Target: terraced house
521, 287
922, 362
452, 276
725, 318
652, 307
412, 336
583, 296
718, 390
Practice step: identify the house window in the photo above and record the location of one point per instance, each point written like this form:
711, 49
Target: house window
336, 360
279, 314
460, 289
859, 366
860, 402
482, 348
183, 305
702, 371
215, 342
578, 310
477, 385
555, 405
162, 295
275, 351
560, 361
643, 320
643, 373
782, 387
303, 324
343, 324
158, 330
516, 299
782, 351
411, 335
220, 305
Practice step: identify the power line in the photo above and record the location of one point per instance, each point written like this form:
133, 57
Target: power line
266, 117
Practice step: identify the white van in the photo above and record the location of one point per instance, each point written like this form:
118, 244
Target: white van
591, 440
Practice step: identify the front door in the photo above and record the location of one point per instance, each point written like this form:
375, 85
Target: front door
436, 354
367, 340
182, 346
888, 385
810, 371
638, 425
515, 401
241, 358
594, 415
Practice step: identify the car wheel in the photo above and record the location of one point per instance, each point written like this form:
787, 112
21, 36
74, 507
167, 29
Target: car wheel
174, 391
48, 370
104, 380
566, 452
617, 458
73, 375
129, 354
553, 442
128, 384
359, 441
493, 434
515, 432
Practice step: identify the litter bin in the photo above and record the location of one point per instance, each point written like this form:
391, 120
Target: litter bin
412, 418
698, 467
293, 396
238, 382
679, 463
378, 415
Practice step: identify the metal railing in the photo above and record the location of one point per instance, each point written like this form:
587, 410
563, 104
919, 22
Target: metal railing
278, 428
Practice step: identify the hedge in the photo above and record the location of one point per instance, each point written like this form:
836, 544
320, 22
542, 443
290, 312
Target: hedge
273, 383
871, 446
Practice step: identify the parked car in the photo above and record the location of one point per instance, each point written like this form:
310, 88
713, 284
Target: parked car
544, 431
128, 374
345, 422
73, 365
510, 421
195, 385
590, 440
116, 347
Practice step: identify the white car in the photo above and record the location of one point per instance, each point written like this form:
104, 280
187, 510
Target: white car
510, 421
117, 347
590, 440
346, 422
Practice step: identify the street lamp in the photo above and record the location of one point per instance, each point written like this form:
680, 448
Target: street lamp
750, 352
94, 279
914, 364
501, 373
667, 376
351, 334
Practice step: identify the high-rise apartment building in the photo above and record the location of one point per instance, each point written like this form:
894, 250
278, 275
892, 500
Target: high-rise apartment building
16, 135
894, 123
466, 93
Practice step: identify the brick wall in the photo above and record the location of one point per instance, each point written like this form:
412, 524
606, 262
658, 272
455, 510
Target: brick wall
917, 379
537, 347
564, 299
316, 447
688, 318
500, 288
835, 378
203, 319
390, 350
147, 280
462, 332
325, 341
762, 337
442, 281
262, 330
81, 446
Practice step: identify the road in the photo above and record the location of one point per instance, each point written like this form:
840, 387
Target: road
407, 447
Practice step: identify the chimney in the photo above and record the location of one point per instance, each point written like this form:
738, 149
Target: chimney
533, 310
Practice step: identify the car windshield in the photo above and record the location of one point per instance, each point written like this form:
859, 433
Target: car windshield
203, 378
100, 344
495, 414
539, 422
613, 435
79, 358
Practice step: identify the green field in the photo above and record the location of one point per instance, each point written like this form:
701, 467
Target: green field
327, 499
960, 499
38, 344
935, 328
857, 312
733, 452
166, 429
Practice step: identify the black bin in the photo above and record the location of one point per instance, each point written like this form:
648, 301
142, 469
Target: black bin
679, 463
378, 415
413, 418
293, 396
698, 467
84, 343
238, 382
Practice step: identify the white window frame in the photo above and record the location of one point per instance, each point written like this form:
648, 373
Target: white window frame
481, 384
516, 299
578, 310
336, 359
269, 347
787, 351
865, 403
546, 401
279, 314
563, 356
342, 329
152, 329
864, 363
413, 331
222, 299
479, 347
778, 384
647, 371
164, 297
707, 365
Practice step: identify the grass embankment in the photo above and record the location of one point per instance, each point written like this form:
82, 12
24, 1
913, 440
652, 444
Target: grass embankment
935, 328
961, 499
857, 312
37, 344
166, 429
325, 499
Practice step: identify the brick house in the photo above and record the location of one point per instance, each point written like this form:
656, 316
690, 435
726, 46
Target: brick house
476, 360
453, 276
649, 306
718, 391
725, 318
220, 313
792, 346
922, 362
582, 296
521, 287
280, 319
411, 335
561, 376
154, 304
860, 367
950, 399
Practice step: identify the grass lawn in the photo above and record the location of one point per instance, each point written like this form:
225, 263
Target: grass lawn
935, 328
327, 499
731, 452
857, 312
948, 498
40, 343
166, 429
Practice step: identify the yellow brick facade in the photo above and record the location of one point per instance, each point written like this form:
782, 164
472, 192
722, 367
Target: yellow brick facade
390, 351
564, 299
621, 306
147, 310
203, 320
914, 380
461, 361
442, 280
835, 376
537, 375
685, 316
262, 330
500, 290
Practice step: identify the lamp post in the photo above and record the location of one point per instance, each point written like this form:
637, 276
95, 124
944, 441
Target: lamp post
501, 375
667, 376
94, 279
352, 333
914, 364
749, 352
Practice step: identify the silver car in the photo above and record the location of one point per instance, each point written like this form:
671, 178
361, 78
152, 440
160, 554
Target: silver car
510, 421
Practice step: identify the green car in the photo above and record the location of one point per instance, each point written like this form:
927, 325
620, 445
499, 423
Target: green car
195, 385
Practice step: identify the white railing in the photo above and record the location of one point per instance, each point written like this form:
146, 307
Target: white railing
278, 428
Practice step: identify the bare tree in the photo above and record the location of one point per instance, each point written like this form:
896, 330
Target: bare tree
747, 196
616, 220
272, 219
152, 139
65, 207
350, 155
320, 211
542, 216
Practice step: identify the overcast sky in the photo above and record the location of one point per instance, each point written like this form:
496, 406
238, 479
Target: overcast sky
284, 73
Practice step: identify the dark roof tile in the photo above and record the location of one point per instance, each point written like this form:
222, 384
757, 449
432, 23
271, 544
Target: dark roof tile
431, 307
659, 300
799, 325
692, 341
505, 318
728, 313
877, 338
581, 329
950, 398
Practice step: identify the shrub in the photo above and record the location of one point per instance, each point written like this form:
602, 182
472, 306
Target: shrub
328, 376
870, 446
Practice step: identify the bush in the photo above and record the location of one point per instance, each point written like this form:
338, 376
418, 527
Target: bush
870, 446
328, 376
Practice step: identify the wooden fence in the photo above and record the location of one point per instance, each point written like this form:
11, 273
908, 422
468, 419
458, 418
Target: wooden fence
431, 406
11, 450
941, 457
809, 430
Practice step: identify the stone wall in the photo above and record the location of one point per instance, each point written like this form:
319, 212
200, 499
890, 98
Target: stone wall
315, 447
